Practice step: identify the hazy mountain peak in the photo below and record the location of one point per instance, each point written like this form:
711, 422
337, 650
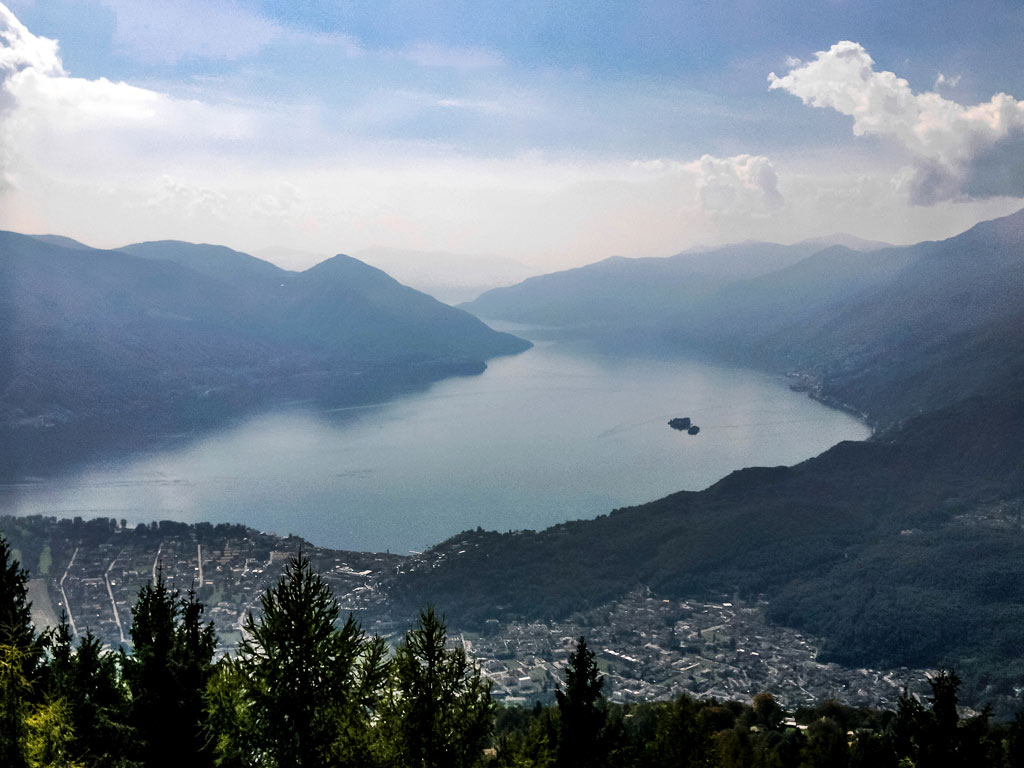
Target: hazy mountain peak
449, 277
217, 261
1009, 227
64, 242
343, 264
852, 242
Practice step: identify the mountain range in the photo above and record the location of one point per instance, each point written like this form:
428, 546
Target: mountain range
172, 335
904, 549
623, 294
448, 277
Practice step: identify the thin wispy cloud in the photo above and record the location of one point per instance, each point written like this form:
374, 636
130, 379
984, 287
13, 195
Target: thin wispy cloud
254, 123
432, 55
169, 32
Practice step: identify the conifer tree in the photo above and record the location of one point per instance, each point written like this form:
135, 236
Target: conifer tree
21, 656
167, 673
87, 682
443, 711
302, 691
51, 736
581, 737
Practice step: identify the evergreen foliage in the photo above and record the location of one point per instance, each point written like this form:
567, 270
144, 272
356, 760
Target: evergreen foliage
301, 692
581, 716
166, 673
309, 689
442, 708
21, 652
94, 698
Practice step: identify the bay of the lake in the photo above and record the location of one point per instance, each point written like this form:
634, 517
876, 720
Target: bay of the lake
550, 435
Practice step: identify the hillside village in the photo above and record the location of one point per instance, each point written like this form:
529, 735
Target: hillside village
650, 648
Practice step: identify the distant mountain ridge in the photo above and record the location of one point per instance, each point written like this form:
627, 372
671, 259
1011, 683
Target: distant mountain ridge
901, 550
448, 277
623, 292
827, 313
168, 334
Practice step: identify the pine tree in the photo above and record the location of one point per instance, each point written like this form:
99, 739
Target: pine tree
302, 692
89, 684
167, 672
444, 713
51, 736
15, 610
21, 656
581, 740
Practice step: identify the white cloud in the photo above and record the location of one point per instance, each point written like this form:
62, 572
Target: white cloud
488, 106
950, 82
285, 202
744, 185
52, 124
169, 32
20, 52
166, 32
954, 149
175, 197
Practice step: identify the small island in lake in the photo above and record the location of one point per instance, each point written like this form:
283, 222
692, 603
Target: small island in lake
684, 424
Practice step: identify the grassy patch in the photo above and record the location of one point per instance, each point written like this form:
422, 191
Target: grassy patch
45, 561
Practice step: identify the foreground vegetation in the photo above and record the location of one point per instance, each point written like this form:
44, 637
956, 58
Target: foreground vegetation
308, 689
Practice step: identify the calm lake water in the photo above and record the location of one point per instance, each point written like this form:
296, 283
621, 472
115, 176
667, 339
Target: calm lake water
547, 436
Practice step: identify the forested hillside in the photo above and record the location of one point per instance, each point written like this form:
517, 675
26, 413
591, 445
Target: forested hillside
101, 347
904, 549
309, 688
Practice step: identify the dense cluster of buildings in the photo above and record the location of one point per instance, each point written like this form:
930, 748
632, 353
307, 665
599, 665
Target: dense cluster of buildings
649, 648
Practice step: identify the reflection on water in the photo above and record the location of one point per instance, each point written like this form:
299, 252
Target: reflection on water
539, 438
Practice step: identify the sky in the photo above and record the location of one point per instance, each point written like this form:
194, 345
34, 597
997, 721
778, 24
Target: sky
552, 133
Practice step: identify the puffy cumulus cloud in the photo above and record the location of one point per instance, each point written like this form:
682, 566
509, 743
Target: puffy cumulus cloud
730, 187
956, 151
744, 185
175, 197
285, 202
21, 49
20, 52
54, 125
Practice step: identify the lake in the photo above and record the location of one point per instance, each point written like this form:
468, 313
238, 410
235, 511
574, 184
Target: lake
550, 435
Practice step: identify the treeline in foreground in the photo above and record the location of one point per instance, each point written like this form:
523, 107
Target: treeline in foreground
305, 690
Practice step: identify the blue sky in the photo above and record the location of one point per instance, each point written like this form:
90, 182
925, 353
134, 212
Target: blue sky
552, 133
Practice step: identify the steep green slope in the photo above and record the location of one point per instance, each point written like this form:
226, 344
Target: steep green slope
904, 549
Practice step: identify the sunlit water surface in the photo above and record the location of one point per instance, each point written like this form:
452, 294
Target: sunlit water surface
547, 436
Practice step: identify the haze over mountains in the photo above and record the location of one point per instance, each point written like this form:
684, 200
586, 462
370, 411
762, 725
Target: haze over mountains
619, 293
905, 549
895, 551
448, 277
859, 325
175, 334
